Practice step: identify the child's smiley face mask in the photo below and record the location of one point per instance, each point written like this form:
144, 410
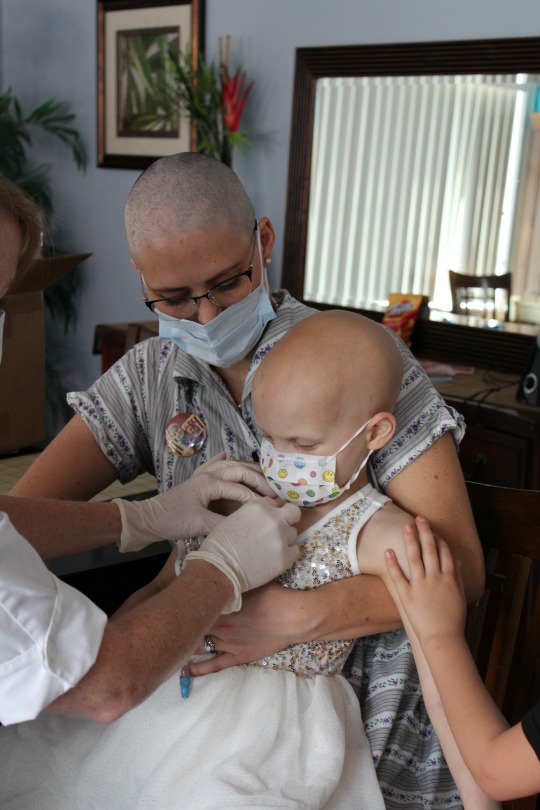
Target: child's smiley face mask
304, 479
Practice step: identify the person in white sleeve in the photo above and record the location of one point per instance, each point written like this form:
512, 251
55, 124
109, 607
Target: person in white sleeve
52, 637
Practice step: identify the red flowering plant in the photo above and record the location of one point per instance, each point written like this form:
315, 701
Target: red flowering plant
213, 100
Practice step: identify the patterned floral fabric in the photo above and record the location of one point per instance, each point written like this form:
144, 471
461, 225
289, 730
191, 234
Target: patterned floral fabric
411, 768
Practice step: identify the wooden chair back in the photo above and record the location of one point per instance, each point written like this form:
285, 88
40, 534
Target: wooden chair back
481, 290
504, 626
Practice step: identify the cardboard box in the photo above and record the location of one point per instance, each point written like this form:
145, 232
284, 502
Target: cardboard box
22, 370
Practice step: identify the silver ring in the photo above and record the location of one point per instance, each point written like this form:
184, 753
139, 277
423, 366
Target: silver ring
209, 645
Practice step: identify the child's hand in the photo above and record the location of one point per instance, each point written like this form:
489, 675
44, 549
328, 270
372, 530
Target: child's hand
433, 600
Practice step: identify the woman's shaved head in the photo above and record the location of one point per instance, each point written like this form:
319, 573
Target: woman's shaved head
182, 193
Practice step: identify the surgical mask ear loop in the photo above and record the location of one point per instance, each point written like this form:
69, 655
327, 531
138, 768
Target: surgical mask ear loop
353, 437
355, 475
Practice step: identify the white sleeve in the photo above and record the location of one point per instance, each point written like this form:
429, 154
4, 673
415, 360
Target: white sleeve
50, 633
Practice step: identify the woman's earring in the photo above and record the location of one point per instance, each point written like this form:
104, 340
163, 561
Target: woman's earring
267, 262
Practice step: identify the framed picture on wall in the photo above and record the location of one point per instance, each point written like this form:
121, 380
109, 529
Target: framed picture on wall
139, 119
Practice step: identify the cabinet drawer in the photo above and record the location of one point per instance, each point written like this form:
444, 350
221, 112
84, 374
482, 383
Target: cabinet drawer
490, 457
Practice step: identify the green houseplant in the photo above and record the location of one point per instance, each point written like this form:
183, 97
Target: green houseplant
214, 101
16, 136
162, 84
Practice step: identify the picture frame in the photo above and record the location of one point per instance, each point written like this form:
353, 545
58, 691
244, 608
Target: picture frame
135, 125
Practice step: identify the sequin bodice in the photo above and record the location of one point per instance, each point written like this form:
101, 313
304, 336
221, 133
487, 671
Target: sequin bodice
323, 559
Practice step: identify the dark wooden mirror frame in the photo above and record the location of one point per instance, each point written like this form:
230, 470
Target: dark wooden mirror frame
415, 58
518, 55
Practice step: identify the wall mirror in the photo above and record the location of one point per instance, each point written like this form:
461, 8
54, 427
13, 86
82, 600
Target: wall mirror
443, 131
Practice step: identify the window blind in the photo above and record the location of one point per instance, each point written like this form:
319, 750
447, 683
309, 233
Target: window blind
411, 177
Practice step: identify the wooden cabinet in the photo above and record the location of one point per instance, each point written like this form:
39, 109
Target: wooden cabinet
491, 457
502, 439
112, 340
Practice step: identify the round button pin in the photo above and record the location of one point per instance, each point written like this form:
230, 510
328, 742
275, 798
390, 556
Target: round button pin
185, 434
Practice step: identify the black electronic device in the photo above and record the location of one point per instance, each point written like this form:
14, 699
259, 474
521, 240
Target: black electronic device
529, 387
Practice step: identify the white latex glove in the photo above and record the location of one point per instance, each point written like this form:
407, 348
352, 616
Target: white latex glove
252, 546
183, 511
244, 472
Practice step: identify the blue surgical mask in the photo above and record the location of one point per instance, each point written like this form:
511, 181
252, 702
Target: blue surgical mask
230, 336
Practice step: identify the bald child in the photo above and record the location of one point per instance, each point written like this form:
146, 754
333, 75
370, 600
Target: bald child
323, 399
326, 391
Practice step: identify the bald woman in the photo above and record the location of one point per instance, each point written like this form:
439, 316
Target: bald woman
57, 650
201, 264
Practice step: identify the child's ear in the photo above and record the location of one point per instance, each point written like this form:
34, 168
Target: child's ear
380, 430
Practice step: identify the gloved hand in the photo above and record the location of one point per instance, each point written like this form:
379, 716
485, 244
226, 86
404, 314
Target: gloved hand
244, 472
183, 511
252, 546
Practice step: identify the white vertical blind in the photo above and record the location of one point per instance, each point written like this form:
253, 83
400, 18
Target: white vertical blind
410, 178
526, 256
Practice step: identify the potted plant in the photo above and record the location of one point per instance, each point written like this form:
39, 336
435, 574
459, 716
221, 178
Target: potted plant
162, 84
213, 100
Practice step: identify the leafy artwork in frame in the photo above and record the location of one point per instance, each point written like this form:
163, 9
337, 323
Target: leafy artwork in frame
138, 118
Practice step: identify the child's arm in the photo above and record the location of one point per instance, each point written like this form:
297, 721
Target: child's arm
472, 794
500, 759
393, 522
160, 581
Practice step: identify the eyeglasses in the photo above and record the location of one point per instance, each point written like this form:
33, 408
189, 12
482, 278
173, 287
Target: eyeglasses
222, 295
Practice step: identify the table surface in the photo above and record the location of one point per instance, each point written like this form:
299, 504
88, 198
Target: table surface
13, 467
495, 389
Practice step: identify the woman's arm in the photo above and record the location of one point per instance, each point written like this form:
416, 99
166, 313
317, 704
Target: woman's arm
273, 617
72, 467
57, 528
159, 583
433, 486
144, 646
136, 655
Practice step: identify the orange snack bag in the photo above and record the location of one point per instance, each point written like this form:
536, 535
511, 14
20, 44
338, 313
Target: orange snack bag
401, 314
